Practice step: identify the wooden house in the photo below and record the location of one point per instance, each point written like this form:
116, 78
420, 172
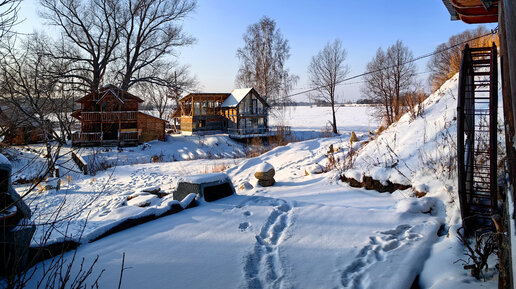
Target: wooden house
110, 116
200, 112
16, 128
242, 113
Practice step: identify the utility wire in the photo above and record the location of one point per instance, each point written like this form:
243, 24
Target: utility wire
493, 31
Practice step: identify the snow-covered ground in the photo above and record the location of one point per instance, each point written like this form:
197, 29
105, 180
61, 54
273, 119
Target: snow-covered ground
306, 231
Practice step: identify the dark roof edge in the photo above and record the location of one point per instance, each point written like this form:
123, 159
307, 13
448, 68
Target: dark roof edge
451, 10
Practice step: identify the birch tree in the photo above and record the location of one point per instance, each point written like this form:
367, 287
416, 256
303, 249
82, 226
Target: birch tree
263, 62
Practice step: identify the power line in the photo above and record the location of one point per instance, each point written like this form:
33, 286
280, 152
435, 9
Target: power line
493, 31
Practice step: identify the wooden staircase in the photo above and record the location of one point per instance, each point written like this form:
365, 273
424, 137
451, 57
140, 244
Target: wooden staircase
477, 137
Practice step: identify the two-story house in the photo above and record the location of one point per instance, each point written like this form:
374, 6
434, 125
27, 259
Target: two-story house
242, 113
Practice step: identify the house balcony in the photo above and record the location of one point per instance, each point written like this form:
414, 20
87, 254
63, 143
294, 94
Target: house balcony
124, 137
109, 116
250, 132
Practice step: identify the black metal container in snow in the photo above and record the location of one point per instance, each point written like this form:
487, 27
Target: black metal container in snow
16, 229
211, 187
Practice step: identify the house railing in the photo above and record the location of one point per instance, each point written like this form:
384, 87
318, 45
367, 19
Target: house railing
110, 116
86, 137
258, 131
98, 137
128, 135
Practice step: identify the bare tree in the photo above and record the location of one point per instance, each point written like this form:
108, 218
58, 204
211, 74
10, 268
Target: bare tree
151, 32
391, 75
263, 62
326, 70
8, 15
90, 31
162, 98
182, 81
28, 88
446, 62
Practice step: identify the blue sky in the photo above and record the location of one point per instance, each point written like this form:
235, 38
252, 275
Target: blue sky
363, 26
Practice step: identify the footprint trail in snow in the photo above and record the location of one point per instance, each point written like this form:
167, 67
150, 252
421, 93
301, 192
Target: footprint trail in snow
376, 251
263, 267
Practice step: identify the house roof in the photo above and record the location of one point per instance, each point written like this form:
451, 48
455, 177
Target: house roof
108, 89
152, 116
11, 115
473, 11
237, 95
204, 95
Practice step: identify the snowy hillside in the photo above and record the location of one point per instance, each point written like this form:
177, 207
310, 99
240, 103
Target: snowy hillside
421, 152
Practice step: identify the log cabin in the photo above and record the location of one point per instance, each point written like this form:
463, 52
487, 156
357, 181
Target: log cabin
111, 116
243, 113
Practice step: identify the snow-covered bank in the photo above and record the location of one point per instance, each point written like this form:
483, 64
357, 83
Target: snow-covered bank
421, 152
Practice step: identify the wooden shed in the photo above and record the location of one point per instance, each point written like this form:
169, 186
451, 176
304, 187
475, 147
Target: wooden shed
18, 129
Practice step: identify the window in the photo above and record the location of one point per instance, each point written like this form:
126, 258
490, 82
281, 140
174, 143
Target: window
254, 106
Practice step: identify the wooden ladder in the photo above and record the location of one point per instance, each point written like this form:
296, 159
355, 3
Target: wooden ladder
477, 137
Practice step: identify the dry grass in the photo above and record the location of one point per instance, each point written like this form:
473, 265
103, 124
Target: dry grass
218, 167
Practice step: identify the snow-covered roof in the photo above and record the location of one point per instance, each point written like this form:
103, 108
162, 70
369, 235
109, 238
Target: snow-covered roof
236, 97
153, 116
4, 163
264, 167
205, 178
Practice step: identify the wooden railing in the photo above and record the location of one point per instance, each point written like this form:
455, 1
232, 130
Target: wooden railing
86, 137
258, 131
128, 135
80, 163
110, 116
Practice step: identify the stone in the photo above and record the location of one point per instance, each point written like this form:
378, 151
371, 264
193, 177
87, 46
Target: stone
314, 169
264, 171
152, 190
266, 183
245, 186
268, 175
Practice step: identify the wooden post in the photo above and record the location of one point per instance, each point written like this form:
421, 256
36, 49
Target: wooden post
507, 25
